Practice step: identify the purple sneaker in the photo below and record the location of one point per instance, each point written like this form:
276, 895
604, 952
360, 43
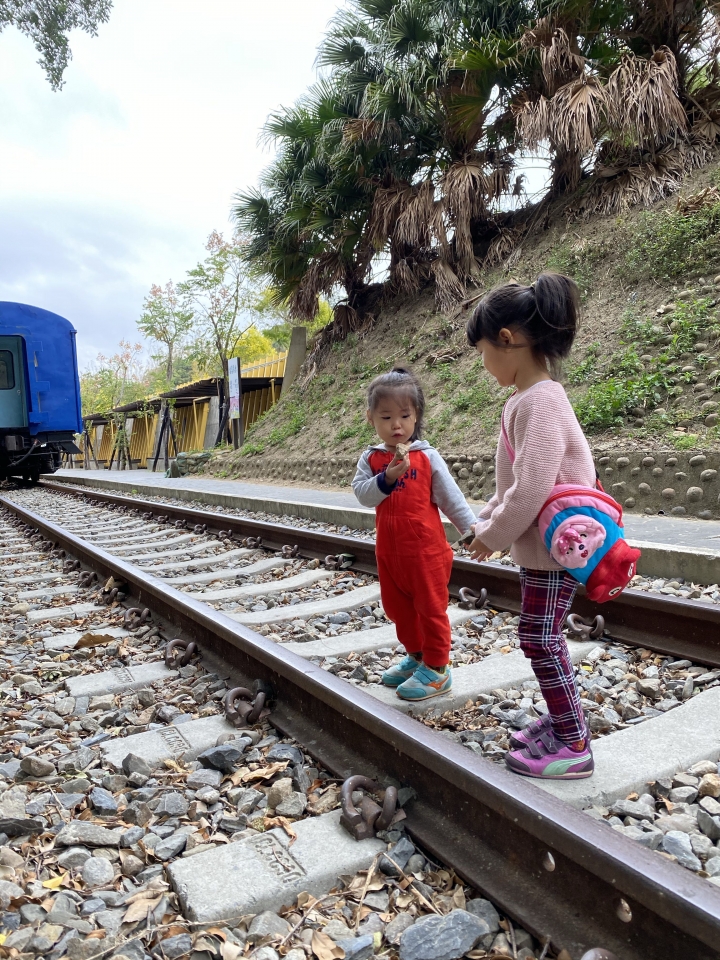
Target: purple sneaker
548, 758
533, 731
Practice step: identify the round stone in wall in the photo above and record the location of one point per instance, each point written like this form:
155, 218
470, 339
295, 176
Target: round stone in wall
644, 489
648, 461
694, 494
671, 461
678, 511
657, 471
668, 493
707, 476
698, 460
630, 502
711, 420
705, 515
622, 462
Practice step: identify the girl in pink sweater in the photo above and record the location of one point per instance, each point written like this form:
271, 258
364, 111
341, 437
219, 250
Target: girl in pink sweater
522, 334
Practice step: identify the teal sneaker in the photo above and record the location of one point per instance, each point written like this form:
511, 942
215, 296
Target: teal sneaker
425, 683
402, 671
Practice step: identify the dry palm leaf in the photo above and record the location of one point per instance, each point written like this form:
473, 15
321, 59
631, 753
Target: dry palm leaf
405, 279
414, 224
449, 291
705, 198
575, 113
389, 203
558, 58
642, 97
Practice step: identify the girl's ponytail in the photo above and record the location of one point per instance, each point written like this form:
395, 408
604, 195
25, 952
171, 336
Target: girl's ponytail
546, 312
556, 302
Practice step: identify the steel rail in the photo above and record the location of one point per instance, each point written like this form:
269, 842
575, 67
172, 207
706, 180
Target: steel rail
557, 872
669, 625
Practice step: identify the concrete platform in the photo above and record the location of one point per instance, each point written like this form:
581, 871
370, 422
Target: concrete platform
265, 872
672, 546
627, 760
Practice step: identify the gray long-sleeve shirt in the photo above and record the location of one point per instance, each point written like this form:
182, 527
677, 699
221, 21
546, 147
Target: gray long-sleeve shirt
371, 490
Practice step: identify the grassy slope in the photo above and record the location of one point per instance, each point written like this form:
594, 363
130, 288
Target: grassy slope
636, 378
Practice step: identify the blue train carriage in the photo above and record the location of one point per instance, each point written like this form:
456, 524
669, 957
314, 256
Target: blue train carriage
40, 409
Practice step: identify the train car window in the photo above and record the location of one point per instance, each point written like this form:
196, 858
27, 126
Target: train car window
7, 370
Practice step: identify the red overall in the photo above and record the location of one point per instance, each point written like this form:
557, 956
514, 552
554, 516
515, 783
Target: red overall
414, 560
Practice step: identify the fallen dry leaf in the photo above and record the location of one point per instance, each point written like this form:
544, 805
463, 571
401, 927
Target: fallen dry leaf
93, 640
139, 909
283, 823
324, 948
54, 882
264, 774
231, 951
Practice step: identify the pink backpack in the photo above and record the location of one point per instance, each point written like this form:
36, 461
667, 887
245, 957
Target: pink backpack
583, 531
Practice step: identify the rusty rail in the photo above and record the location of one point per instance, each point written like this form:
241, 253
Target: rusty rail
557, 872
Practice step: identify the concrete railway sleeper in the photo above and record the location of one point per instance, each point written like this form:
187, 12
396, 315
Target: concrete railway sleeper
558, 873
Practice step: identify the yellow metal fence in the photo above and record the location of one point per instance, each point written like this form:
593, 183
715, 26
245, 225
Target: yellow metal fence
189, 421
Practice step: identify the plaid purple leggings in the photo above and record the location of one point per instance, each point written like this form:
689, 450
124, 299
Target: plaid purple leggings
546, 599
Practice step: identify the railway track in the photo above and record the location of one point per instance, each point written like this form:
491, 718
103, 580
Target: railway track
549, 867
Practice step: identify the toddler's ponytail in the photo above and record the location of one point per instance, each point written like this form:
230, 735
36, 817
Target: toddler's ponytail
546, 312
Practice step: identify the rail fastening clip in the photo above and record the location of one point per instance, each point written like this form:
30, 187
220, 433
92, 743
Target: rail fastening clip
469, 600
244, 707
178, 653
339, 561
363, 823
590, 629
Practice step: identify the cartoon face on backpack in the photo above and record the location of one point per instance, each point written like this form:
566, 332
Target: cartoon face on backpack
583, 530
575, 541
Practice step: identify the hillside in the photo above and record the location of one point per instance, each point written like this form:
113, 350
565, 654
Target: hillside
644, 375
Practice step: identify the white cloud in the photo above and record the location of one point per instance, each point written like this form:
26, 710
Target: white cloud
114, 183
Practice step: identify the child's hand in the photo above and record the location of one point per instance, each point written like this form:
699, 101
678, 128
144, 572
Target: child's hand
478, 550
397, 468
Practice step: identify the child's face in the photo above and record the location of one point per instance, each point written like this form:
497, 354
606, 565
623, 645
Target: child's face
507, 358
499, 361
394, 420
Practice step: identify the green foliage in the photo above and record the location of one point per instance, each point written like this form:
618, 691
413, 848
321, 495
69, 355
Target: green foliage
671, 244
113, 381
166, 320
586, 370
291, 419
624, 381
48, 25
687, 441
358, 427
251, 449
607, 403
578, 261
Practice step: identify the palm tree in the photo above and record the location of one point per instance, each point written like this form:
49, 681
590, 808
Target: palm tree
620, 85
440, 119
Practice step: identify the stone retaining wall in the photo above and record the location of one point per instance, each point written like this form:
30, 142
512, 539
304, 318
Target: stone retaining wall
677, 483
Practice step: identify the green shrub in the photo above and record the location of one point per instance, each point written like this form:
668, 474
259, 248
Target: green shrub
670, 244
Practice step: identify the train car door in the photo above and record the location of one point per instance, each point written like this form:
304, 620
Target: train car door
12, 405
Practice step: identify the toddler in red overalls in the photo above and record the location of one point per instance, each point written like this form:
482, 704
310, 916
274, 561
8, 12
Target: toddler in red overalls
413, 556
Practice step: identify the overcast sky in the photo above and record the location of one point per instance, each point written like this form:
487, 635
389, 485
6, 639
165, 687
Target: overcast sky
114, 183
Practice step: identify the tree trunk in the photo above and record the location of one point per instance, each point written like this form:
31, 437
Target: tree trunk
169, 365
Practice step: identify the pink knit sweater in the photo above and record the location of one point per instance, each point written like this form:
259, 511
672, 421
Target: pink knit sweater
550, 448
